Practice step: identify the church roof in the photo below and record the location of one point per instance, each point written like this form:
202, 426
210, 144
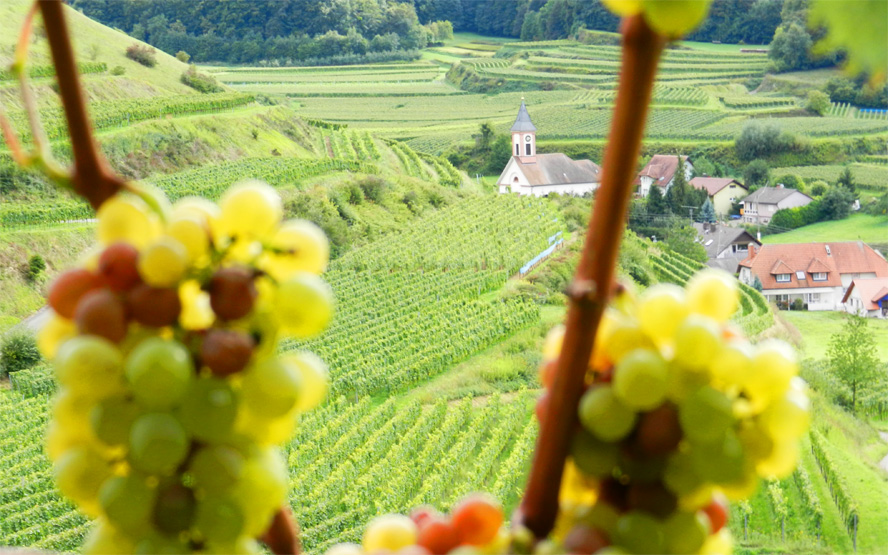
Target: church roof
522, 122
558, 169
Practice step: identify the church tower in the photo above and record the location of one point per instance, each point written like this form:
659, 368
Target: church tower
524, 137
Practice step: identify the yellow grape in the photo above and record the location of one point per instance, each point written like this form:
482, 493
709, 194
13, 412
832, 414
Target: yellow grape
70, 413
552, 345
713, 293
624, 337
104, 539
304, 304
205, 210
90, 366
718, 543
315, 380
782, 460
163, 263
79, 473
261, 489
309, 250
250, 208
787, 417
196, 310
697, 340
674, 18
771, 372
661, 309
389, 533
623, 8
731, 364
126, 219
56, 331
192, 234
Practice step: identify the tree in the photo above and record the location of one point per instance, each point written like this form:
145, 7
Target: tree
757, 284
676, 195
183, 56
818, 188
846, 180
756, 174
817, 103
682, 238
707, 212
835, 204
791, 181
761, 141
655, 204
790, 48
852, 357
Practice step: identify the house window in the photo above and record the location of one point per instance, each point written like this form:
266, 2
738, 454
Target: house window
527, 149
812, 298
784, 278
819, 276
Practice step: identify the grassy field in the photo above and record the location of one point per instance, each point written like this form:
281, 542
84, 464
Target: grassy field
816, 329
870, 176
857, 227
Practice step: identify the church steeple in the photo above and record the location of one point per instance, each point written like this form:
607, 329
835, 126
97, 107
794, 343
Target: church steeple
524, 136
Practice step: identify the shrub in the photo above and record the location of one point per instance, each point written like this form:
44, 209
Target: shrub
17, 352
756, 174
817, 103
200, 81
818, 188
183, 56
145, 55
117, 70
761, 141
373, 188
797, 304
36, 266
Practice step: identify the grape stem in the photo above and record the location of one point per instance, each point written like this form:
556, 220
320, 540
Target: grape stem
592, 285
91, 178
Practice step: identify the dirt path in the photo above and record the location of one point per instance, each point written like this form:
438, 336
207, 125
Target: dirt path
883, 464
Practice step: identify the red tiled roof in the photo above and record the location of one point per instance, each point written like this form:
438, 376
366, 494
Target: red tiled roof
832, 258
661, 169
870, 290
780, 267
713, 184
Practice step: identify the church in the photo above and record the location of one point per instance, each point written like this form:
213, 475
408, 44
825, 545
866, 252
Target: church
529, 173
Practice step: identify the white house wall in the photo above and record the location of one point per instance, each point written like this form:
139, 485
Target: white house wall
575, 189
830, 297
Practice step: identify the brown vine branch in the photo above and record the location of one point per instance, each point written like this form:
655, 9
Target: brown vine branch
592, 285
91, 178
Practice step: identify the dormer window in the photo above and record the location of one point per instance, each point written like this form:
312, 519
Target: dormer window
784, 278
819, 276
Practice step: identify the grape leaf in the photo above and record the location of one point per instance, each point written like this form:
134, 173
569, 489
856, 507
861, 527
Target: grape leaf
860, 28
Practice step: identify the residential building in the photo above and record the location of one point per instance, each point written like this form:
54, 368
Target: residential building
760, 206
867, 297
816, 273
660, 171
529, 173
722, 191
725, 246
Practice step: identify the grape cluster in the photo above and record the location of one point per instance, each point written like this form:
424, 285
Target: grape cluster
172, 396
680, 414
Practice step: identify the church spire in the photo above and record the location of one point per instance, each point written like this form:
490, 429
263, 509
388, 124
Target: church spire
524, 136
522, 122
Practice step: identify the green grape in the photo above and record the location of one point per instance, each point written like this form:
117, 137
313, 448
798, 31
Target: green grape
90, 366
705, 415
112, 419
215, 469
721, 461
638, 532
680, 476
314, 379
603, 414
157, 544
79, 473
602, 516
209, 409
593, 456
640, 379
304, 304
158, 443
241, 546
271, 387
674, 18
160, 371
219, 518
713, 293
685, 532
261, 489
104, 539
697, 341
127, 502
661, 309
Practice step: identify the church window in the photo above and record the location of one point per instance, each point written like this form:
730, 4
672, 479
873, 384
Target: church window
517, 151
527, 149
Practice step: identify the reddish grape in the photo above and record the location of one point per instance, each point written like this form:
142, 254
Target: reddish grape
437, 535
154, 306
226, 352
422, 513
174, 509
717, 511
477, 520
232, 293
67, 290
613, 493
659, 431
652, 498
101, 313
584, 540
118, 266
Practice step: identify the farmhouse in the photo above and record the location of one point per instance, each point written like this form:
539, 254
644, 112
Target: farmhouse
867, 297
660, 171
725, 246
816, 273
760, 206
722, 191
529, 173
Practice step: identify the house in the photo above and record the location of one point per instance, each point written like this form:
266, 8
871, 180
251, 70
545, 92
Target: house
529, 173
661, 171
722, 191
725, 246
867, 297
761, 205
816, 273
